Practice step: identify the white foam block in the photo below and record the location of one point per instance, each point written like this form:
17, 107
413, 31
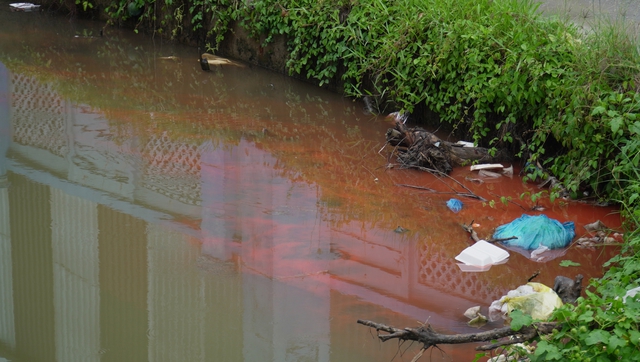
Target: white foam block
482, 253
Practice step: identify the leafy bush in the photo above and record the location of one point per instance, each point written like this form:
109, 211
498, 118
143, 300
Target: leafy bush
601, 326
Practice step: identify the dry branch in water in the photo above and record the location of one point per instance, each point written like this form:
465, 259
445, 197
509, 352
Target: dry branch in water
438, 173
417, 148
430, 338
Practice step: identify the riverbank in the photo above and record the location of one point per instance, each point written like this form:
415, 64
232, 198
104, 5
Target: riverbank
496, 73
540, 87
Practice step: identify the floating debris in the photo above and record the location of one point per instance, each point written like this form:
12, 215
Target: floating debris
464, 144
533, 231
400, 230
25, 7
454, 205
486, 166
489, 174
508, 171
207, 60
476, 318
481, 256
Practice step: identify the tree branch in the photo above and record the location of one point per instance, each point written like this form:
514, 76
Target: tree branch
430, 338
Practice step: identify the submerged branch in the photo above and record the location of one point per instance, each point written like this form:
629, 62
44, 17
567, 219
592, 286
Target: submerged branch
457, 193
469, 193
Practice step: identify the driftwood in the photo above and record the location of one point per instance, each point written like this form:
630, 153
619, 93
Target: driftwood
430, 338
568, 289
418, 148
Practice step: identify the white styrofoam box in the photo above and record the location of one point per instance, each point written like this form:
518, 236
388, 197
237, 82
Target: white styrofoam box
482, 253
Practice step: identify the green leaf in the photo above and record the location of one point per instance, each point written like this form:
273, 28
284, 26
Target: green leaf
548, 351
586, 317
597, 336
519, 320
568, 263
615, 342
635, 128
634, 337
615, 124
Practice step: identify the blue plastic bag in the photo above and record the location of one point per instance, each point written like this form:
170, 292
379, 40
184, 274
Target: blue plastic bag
533, 231
454, 205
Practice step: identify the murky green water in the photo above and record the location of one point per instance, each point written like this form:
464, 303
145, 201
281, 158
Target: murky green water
150, 211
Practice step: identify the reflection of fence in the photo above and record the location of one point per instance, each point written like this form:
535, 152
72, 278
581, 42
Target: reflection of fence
438, 271
31, 101
406, 268
172, 169
40, 120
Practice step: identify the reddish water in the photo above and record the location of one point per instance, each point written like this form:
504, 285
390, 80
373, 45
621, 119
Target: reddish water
231, 215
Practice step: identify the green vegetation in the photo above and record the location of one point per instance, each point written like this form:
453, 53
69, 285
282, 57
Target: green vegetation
494, 71
602, 326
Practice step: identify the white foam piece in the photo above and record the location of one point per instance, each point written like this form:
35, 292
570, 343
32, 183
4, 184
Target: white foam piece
482, 253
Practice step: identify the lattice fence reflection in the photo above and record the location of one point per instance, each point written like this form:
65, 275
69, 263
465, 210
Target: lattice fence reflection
38, 115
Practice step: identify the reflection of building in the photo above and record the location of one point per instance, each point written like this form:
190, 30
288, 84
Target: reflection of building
7, 325
93, 267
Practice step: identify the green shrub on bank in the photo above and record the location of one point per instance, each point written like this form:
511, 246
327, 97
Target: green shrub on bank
495, 71
602, 326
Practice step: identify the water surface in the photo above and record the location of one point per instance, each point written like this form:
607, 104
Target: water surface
150, 211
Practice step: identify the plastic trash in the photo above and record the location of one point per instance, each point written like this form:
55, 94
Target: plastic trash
631, 293
476, 318
26, 7
535, 231
482, 253
537, 254
465, 144
508, 171
486, 166
534, 299
454, 205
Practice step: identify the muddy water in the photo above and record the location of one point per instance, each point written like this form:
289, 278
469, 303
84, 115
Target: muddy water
152, 211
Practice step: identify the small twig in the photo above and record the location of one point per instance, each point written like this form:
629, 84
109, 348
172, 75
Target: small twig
440, 173
511, 201
502, 239
395, 149
418, 355
471, 196
532, 277
476, 238
381, 327
374, 176
417, 187
469, 229
383, 147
